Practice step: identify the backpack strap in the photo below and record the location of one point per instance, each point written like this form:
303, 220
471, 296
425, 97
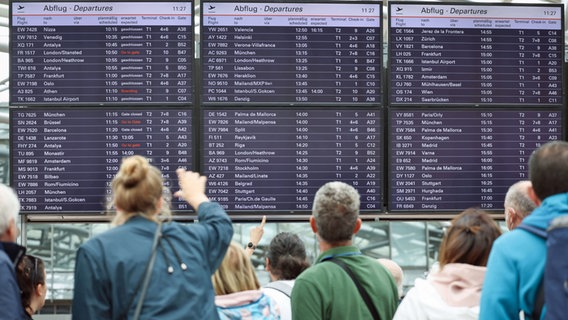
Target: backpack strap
534, 230
280, 286
539, 301
147, 275
360, 288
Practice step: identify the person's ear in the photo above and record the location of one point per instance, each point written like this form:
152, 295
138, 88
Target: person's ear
357, 225
509, 217
533, 196
38, 290
313, 224
516, 219
12, 232
159, 205
267, 263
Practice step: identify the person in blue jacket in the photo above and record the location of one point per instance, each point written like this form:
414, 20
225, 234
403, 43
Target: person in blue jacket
10, 254
111, 266
516, 262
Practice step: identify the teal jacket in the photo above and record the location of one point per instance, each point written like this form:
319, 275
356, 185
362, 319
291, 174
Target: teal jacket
325, 290
516, 265
110, 266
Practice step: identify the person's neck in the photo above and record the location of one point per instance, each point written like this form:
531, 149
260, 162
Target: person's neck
30, 310
6, 238
324, 245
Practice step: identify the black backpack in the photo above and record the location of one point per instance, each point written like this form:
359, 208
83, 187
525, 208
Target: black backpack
553, 290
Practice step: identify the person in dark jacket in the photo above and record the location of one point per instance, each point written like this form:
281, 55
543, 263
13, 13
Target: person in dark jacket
10, 254
111, 266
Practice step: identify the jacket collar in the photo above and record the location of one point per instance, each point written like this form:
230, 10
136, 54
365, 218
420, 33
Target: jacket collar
14, 251
342, 251
552, 207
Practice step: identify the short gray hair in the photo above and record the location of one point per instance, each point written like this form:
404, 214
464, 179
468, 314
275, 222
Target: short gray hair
518, 198
336, 209
9, 207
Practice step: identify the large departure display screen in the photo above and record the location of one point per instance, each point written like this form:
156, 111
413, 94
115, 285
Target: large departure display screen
261, 160
475, 54
77, 53
64, 159
450, 160
291, 53
270, 100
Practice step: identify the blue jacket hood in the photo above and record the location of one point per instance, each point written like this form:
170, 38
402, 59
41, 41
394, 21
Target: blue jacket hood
552, 207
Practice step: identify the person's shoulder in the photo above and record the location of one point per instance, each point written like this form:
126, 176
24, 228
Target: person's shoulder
314, 270
515, 237
4, 257
110, 237
210, 207
423, 285
422, 288
372, 265
317, 275
6, 266
516, 246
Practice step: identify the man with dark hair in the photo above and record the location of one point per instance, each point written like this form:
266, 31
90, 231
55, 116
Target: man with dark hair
10, 254
326, 290
518, 204
516, 263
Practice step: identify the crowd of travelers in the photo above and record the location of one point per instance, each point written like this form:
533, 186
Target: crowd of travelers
150, 267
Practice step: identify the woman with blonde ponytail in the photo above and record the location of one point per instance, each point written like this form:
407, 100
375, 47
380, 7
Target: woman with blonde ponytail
454, 291
173, 261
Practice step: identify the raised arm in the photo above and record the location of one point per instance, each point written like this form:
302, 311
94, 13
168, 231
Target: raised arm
255, 235
192, 187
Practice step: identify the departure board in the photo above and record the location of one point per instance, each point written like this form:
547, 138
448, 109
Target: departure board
454, 159
475, 54
63, 160
291, 53
77, 53
275, 160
